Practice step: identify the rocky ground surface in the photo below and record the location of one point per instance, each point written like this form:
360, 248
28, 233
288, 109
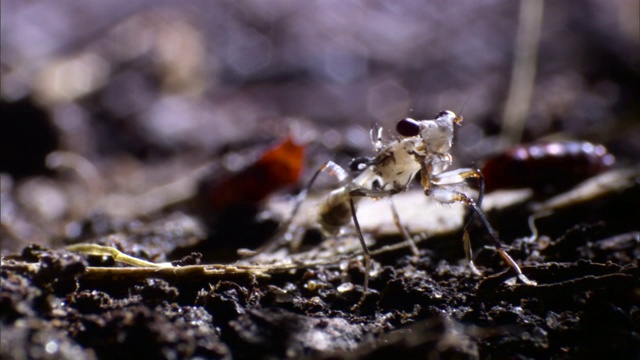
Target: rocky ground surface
60, 304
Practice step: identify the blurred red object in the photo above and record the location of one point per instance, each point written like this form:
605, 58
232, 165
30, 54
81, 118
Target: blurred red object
545, 167
278, 167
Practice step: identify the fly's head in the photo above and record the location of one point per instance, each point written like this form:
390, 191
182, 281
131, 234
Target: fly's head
436, 134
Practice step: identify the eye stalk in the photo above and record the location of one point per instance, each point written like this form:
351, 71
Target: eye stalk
448, 114
408, 127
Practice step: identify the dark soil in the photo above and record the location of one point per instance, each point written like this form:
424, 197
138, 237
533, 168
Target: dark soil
586, 305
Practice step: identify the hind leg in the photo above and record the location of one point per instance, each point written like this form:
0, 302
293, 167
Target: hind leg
287, 233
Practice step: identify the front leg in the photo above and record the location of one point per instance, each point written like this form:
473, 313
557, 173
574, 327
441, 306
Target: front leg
459, 176
449, 196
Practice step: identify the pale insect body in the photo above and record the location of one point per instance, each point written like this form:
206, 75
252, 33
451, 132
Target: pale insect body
423, 148
390, 171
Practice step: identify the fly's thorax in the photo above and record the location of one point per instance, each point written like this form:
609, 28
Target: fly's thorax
393, 167
437, 135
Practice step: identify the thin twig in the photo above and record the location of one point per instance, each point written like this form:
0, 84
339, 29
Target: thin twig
524, 70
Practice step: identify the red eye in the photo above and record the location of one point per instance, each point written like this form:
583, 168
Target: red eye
408, 127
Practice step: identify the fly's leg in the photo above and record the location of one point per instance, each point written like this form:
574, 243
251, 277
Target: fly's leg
441, 191
365, 250
468, 252
451, 196
456, 177
402, 228
472, 173
367, 255
285, 233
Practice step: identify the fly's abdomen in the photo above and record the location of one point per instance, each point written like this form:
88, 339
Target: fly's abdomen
335, 211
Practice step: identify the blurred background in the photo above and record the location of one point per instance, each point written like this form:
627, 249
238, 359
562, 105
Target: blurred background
148, 90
